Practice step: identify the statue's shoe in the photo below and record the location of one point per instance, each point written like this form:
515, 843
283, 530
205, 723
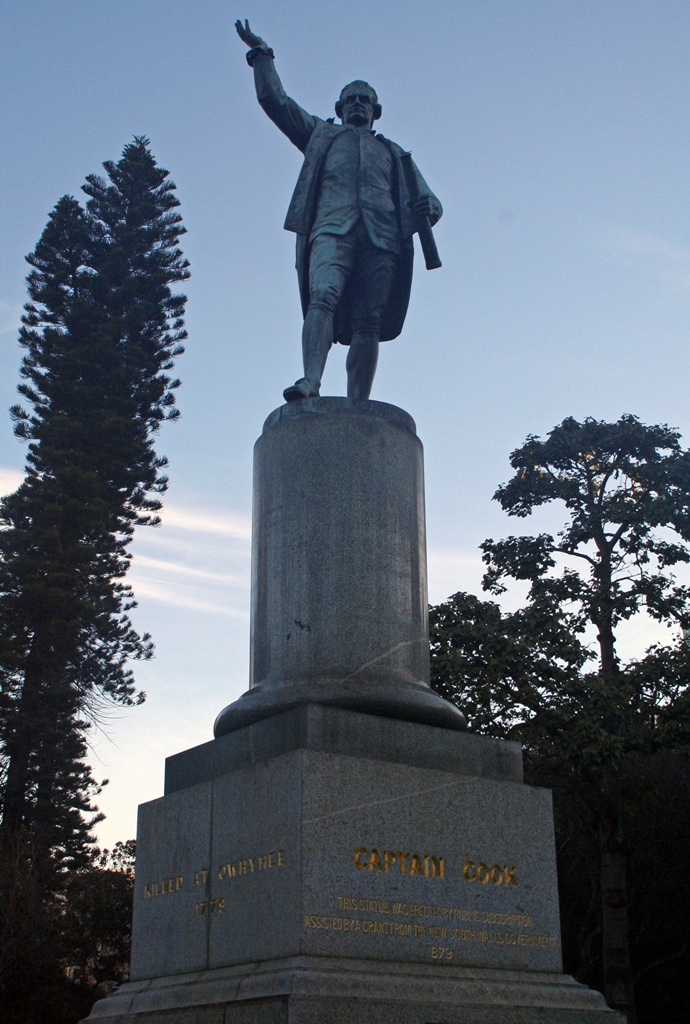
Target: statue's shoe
305, 387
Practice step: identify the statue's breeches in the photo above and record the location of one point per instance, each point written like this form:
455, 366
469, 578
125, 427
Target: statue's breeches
349, 268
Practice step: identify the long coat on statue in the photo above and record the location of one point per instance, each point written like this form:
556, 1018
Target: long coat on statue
313, 136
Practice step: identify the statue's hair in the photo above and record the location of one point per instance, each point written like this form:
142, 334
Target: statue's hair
358, 81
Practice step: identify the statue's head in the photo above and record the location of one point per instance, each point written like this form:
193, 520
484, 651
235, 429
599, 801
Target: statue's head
358, 105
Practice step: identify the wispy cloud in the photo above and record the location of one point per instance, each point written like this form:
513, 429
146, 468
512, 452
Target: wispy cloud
194, 521
197, 560
191, 600
668, 262
206, 558
169, 568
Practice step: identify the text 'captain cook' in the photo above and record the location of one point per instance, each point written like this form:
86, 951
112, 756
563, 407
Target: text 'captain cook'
354, 215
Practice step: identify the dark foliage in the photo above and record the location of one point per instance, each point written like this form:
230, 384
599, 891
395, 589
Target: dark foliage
98, 919
612, 743
100, 335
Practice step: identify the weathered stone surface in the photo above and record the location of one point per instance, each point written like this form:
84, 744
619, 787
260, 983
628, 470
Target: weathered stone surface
255, 862
173, 846
335, 731
320, 853
295, 918
339, 586
315, 990
410, 894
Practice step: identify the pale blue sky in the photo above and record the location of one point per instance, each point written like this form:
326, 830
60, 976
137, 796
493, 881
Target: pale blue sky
556, 135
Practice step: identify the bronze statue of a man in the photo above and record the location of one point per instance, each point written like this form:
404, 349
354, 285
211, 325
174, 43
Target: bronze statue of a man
354, 216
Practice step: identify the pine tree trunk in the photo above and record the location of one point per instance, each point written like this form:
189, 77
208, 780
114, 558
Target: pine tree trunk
38, 708
20, 743
618, 983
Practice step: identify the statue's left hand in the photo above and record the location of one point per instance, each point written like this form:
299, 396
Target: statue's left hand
424, 207
247, 36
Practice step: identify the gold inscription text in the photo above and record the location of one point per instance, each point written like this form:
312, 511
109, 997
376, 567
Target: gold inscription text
209, 906
407, 863
403, 930
251, 865
355, 904
169, 885
482, 873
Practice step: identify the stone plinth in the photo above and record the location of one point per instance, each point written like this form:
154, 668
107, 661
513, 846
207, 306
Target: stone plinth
311, 849
342, 852
339, 585
325, 865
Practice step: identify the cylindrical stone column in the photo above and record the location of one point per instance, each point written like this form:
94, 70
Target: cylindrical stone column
339, 592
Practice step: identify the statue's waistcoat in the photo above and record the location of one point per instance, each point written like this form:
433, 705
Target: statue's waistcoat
302, 209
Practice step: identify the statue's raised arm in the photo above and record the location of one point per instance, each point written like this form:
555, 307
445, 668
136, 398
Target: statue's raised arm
295, 122
354, 210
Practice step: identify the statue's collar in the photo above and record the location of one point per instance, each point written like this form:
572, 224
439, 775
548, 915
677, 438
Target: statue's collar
351, 127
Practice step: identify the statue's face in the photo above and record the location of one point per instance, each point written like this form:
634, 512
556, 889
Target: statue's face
358, 104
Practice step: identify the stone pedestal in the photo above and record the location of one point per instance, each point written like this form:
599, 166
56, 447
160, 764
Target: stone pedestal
339, 584
329, 866
342, 852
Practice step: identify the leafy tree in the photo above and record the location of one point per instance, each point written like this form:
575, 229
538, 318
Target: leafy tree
97, 920
626, 488
504, 670
100, 335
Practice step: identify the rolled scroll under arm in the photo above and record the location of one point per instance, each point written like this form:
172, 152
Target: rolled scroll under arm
426, 235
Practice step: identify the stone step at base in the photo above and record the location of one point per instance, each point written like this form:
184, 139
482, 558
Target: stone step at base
318, 990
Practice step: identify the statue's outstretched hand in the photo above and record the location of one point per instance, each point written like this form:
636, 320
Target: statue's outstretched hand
247, 36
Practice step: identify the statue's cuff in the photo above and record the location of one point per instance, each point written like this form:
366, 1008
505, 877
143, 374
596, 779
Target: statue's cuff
259, 51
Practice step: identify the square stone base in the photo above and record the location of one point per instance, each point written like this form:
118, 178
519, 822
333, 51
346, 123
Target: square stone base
326, 865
